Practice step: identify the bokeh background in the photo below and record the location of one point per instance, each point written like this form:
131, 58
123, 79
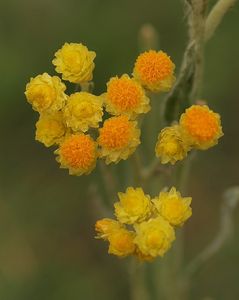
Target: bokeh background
47, 245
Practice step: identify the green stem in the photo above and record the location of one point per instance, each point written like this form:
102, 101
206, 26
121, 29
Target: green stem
109, 180
137, 281
137, 167
171, 286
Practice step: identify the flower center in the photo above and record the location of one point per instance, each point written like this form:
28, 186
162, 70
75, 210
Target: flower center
123, 242
171, 148
173, 208
154, 66
42, 96
155, 239
124, 93
201, 123
78, 151
83, 110
116, 133
72, 60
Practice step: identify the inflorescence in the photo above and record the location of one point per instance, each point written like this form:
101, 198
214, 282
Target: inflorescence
144, 227
86, 127
76, 124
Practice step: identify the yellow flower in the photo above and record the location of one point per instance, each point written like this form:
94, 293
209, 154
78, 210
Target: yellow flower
134, 206
173, 207
142, 257
50, 128
155, 71
171, 145
126, 96
75, 62
83, 110
154, 237
118, 138
105, 227
121, 242
78, 153
46, 93
201, 126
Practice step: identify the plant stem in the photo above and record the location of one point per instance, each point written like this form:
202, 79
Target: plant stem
216, 15
137, 281
137, 167
230, 202
110, 183
187, 86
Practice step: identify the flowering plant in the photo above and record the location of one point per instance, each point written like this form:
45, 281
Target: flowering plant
106, 129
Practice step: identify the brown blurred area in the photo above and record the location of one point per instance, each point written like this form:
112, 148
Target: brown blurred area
47, 245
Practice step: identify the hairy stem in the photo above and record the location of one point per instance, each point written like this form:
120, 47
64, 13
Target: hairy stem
216, 15
231, 199
187, 87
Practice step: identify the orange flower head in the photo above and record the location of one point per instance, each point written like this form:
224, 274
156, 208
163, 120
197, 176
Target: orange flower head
155, 71
118, 138
78, 153
202, 126
115, 133
126, 96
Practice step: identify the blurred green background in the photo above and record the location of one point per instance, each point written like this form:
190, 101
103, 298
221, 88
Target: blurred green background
47, 245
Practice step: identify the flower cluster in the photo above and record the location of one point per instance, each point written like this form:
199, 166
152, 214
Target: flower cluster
85, 127
75, 123
144, 227
198, 128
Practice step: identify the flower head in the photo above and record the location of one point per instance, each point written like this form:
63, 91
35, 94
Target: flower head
142, 257
155, 71
46, 93
105, 227
125, 96
201, 126
78, 153
83, 110
171, 145
75, 62
134, 206
154, 237
50, 128
118, 138
121, 242
173, 207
